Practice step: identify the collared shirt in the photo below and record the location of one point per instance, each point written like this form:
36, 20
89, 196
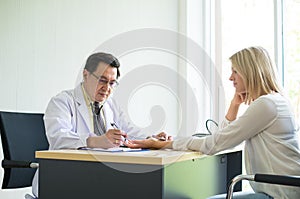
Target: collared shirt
88, 104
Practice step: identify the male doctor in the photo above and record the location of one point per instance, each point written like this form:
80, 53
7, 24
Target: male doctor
86, 115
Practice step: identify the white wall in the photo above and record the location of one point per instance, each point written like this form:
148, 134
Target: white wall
45, 43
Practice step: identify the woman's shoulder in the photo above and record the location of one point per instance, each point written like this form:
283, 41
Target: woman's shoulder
270, 101
271, 98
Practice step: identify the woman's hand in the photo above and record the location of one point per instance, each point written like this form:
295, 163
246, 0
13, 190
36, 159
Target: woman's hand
152, 143
162, 136
236, 101
239, 98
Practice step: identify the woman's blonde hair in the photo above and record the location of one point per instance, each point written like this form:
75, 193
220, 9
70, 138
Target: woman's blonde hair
255, 67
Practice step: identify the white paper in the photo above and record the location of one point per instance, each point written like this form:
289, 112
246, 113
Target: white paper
114, 149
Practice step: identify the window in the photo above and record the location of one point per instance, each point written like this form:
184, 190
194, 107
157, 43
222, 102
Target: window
244, 23
253, 22
292, 52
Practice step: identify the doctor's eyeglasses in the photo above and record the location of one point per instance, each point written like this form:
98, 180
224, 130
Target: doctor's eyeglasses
102, 81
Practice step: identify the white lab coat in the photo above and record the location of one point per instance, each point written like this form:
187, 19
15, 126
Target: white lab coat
68, 122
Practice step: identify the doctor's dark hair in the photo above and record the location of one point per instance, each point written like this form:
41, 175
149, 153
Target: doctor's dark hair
93, 61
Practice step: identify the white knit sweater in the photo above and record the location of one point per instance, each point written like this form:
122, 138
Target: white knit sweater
271, 142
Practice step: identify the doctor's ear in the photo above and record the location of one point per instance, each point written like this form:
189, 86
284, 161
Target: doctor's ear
85, 74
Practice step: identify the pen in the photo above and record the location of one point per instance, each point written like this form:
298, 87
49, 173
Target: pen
116, 127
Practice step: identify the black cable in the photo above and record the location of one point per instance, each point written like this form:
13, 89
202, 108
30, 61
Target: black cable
206, 125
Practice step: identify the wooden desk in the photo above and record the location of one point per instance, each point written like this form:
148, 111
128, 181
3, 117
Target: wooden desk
151, 174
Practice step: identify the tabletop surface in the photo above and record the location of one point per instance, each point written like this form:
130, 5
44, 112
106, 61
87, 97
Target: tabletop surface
153, 157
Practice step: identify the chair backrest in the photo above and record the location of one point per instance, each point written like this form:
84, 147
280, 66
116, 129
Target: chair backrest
22, 134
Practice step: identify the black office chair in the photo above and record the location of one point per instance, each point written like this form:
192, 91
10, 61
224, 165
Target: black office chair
264, 178
22, 134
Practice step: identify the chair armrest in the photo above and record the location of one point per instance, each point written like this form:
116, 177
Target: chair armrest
6, 164
235, 180
278, 179
264, 178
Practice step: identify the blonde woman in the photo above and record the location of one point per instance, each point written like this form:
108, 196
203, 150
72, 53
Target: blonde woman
267, 126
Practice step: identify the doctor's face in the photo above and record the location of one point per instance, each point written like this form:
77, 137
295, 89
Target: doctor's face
100, 83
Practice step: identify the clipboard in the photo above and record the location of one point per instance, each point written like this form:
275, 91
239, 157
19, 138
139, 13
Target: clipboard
114, 149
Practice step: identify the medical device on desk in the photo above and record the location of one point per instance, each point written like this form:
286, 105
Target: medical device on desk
207, 128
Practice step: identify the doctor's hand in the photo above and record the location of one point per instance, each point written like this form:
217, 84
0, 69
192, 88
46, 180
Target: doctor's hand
116, 136
112, 138
152, 143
